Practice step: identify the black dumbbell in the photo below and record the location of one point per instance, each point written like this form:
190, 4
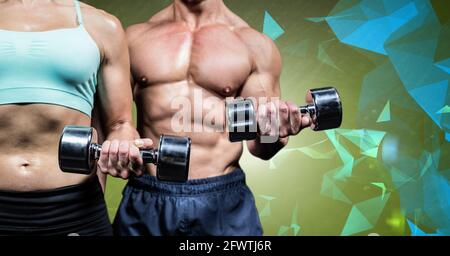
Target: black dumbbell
325, 111
78, 154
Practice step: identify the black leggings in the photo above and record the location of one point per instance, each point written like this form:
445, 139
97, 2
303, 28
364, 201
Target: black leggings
73, 210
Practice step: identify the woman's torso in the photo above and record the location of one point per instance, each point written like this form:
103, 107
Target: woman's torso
30, 131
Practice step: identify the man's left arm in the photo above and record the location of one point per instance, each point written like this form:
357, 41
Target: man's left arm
264, 83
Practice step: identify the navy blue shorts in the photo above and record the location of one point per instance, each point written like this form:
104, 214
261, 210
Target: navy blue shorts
219, 206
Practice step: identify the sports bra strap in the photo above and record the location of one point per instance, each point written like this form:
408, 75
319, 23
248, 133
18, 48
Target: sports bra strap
76, 3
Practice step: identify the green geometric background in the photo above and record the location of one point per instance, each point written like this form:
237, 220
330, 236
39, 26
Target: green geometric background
386, 171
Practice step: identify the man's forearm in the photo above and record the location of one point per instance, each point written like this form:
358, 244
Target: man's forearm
266, 151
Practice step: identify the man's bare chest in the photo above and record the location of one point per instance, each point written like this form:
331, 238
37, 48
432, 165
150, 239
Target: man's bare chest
215, 59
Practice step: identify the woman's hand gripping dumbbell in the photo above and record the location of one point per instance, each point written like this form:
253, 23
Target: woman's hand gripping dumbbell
78, 153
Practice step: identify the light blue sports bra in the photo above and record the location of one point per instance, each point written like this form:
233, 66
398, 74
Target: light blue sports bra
57, 67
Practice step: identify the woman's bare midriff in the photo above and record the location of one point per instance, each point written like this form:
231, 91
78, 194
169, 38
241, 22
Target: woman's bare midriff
29, 137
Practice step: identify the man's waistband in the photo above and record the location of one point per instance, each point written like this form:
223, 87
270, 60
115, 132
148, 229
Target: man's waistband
233, 180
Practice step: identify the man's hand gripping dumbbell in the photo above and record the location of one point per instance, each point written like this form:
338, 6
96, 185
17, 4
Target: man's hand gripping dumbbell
323, 112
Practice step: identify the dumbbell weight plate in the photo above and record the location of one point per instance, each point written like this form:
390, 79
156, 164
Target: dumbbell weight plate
75, 152
328, 108
173, 158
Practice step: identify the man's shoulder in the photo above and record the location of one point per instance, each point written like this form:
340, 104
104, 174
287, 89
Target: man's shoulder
254, 38
145, 26
152, 28
263, 49
247, 34
157, 22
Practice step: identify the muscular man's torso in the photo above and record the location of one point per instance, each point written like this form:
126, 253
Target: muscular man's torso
29, 133
172, 63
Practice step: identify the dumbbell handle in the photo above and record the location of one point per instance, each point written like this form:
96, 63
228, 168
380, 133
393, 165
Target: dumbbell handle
149, 156
309, 109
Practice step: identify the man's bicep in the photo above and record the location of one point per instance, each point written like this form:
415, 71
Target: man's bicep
261, 85
265, 78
